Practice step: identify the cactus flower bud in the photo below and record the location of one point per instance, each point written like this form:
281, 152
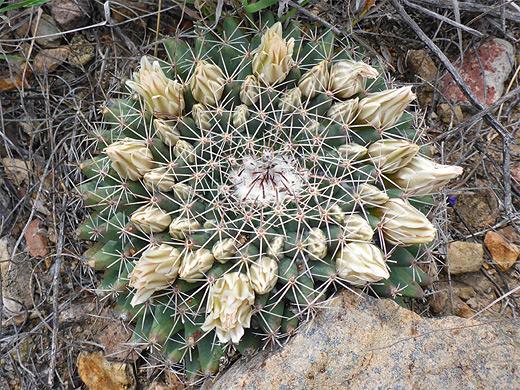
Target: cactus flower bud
336, 213
240, 116
291, 100
195, 264
182, 191
157, 267
185, 150
316, 244
273, 60
391, 155
403, 224
201, 116
422, 176
263, 275
353, 152
229, 309
225, 249
162, 97
166, 131
275, 247
357, 228
347, 78
360, 262
315, 80
344, 112
159, 179
207, 83
130, 158
383, 109
250, 90
181, 228
371, 196
151, 219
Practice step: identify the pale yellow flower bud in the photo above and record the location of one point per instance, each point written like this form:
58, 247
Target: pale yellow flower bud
229, 309
225, 249
352, 152
166, 131
357, 228
371, 196
359, 263
344, 112
185, 150
336, 213
160, 179
315, 80
240, 116
207, 83
181, 228
422, 176
273, 60
182, 191
403, 224
155, 270
391, 155
195, 265
201, 116
263, 275
130, 158
384, 109
250, 90
347, 78
276, 247
291, 100
150, 219
316, 244
162, 97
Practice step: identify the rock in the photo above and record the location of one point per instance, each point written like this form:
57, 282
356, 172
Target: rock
464, 257
70, 14
16, 284
365, 343
444, 303
44, 26
81, 51
36, 242
478, 209
450, 114
496, 58
114, 337
421, 65
503, 252
48, 60
100, 374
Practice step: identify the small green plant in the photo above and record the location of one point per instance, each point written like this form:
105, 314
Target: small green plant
244, 180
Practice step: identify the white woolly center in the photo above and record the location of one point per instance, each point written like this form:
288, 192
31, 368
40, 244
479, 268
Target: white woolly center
268, 180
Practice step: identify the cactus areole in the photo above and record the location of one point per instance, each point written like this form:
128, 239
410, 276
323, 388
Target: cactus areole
244, 180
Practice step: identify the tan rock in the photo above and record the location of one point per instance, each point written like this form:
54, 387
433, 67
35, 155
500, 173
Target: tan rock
503, 252
48, 60
464, 257
100, 374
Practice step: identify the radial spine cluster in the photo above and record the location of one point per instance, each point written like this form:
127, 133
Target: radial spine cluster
244, 180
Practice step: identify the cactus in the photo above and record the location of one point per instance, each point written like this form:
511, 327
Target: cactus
245, 179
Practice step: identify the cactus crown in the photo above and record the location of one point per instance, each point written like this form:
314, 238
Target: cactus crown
243, 180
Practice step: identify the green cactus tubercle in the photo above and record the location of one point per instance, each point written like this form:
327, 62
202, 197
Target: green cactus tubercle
244, 180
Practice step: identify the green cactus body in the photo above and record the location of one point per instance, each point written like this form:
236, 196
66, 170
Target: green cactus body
235, 192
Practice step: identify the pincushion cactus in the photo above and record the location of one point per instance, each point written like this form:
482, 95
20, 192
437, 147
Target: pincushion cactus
243, 178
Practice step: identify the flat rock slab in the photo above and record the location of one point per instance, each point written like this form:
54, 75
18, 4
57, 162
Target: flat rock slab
365, 343
484, 70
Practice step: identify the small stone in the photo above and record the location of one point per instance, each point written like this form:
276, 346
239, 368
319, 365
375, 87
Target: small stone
44, 26
81, 51
450, 114
465, 293
465, 257
503, 252
70, 14
100, 374
48, 60
478, 209
496, 58
421, 65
